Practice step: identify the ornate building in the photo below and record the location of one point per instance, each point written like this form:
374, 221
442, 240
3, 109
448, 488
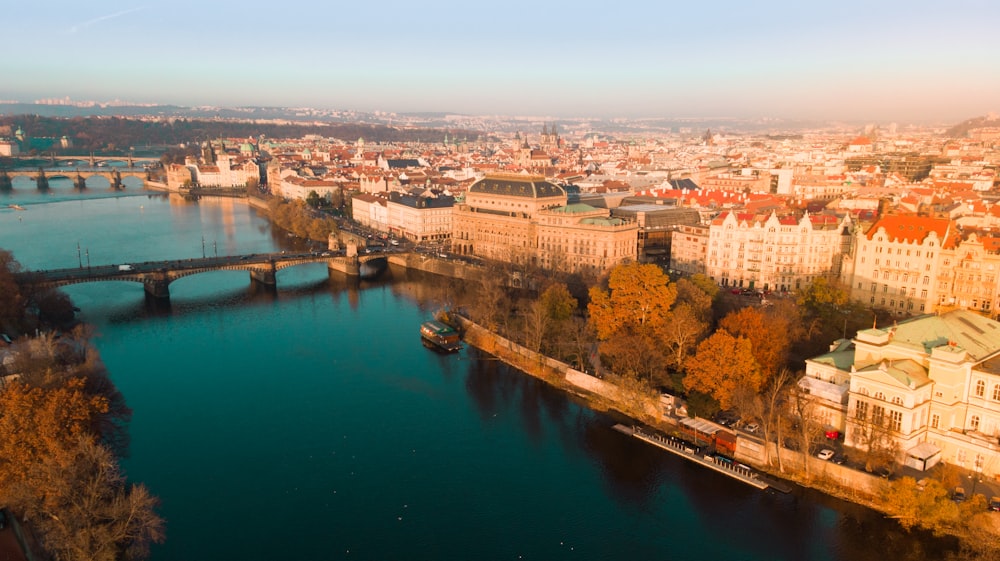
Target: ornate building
768, 251
525, 219
927, 387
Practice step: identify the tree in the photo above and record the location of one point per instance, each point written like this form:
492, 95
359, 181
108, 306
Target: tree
11, 303
696, 297
682, 334
634, 355
768, 335
801, 411
721, 365
41, 428
928, 504
99, 516
639, 297
313, 200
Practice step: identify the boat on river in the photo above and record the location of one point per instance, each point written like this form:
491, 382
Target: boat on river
440, 336
16, 207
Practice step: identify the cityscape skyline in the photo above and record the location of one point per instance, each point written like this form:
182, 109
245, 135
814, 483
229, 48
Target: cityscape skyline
893, 61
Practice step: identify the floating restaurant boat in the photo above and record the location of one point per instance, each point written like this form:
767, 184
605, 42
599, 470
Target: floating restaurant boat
440, 335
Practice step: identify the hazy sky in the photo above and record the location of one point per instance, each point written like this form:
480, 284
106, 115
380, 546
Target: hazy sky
854, 60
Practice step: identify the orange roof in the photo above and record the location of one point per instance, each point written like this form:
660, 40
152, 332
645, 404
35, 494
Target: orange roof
912, 229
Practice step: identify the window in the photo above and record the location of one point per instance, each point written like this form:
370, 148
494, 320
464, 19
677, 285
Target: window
861, 412
974, 422
996, 392
878, 415
935, 420
980, 388
895, 421
897, 400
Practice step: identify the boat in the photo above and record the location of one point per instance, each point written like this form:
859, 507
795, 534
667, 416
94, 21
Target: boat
16, 207
440, 336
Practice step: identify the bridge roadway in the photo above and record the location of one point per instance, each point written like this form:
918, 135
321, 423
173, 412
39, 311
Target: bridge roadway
156, 276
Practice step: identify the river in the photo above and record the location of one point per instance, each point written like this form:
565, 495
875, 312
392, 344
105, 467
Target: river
308, 422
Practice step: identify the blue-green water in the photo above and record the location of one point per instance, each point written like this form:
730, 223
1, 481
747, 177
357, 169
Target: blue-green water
310, 424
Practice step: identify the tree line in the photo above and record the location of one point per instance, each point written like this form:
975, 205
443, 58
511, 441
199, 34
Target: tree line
63, 428
121, 133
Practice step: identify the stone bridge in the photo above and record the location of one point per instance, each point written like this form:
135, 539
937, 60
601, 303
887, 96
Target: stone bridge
156, 276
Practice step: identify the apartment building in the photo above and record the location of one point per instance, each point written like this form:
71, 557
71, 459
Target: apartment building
896, 263
772, 252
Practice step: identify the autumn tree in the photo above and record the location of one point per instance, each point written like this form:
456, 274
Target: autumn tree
768, 335
721, 365
639, 297
629, 316
928, 504
99, 516
40, 429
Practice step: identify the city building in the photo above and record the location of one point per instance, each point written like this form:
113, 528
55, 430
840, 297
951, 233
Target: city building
770, 252
525, 219
927, 388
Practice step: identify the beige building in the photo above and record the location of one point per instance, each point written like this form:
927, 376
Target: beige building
929, 385
689, 249
420, 219
775, 253
579, 238
525, 219
896, 263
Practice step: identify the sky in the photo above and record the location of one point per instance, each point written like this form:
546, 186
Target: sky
873, 61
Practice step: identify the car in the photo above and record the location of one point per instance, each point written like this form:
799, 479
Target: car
839, 459
752, 428
3, 519
994, 504
825, 454
959, 495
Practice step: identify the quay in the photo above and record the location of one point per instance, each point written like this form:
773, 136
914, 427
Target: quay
735, 470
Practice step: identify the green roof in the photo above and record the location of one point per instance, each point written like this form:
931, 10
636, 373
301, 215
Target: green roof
978, 335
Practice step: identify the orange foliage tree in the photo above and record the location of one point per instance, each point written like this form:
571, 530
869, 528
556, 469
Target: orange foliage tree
639, 297
768, 334
722, 366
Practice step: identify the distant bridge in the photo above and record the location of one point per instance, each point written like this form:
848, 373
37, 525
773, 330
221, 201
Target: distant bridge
78, 175
156, 276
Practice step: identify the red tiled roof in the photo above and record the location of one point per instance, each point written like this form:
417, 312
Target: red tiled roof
910, 228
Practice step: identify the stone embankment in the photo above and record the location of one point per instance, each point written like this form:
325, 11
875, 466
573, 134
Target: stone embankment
834, 479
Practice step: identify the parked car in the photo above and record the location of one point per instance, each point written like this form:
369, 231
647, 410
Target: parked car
825, 454
995, 504
752, 428
959, 495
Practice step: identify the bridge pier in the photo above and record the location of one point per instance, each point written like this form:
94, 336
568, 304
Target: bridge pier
266, 276
157, 288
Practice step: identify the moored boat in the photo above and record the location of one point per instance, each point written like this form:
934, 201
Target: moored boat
440, 335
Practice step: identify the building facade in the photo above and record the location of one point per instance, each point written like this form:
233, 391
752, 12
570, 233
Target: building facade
775, 253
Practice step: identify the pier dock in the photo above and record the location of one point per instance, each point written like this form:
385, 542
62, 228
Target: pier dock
733, 469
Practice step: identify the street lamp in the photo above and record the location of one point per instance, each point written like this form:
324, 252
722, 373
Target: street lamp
79, 258
203, 247
87, 251
215, 247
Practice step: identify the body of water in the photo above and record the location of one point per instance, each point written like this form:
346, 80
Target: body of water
309, 423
